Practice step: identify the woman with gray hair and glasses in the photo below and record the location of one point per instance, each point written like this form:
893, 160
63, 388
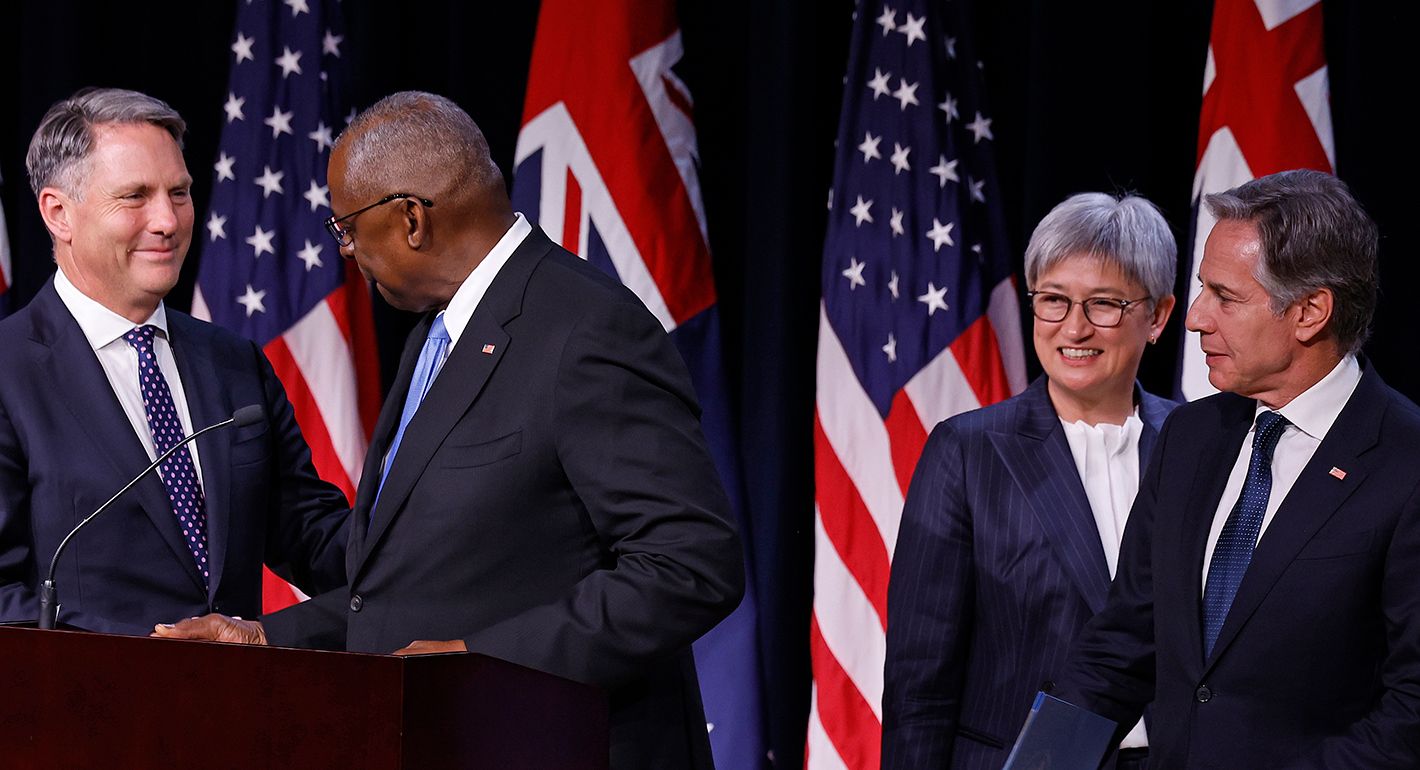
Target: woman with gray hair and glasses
1012, 525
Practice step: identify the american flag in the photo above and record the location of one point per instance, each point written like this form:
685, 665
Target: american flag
919, 321
607, 165
1266, 108
4, 263
269, 270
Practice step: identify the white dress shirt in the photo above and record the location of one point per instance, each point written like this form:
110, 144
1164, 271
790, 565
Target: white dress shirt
1311, 415
471, 291
104, 329
1107, 457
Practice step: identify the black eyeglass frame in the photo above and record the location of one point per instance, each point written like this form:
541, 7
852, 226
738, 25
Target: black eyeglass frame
1122, 304
344, 237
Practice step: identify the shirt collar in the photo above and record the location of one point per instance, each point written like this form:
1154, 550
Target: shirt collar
471, 291
1316, 409
101, 326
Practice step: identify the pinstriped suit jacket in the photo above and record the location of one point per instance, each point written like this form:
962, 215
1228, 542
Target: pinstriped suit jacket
998, 567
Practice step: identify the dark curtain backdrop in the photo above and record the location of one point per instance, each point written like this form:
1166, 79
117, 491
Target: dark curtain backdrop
1086, 96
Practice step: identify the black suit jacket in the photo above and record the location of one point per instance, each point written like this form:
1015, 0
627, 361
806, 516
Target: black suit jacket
1318, 663
998, 566
66, 446
552, 504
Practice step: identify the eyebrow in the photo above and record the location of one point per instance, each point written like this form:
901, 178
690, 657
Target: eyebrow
1057, 288
1219, 288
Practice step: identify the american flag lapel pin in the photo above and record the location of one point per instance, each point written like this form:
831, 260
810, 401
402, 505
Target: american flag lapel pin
488, 350
1337, 473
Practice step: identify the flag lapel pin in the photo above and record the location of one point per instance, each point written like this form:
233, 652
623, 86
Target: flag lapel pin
488, 351
1337, 473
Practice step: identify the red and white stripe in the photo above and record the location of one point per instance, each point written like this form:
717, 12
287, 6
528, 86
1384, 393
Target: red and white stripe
863, 464
1266, 109
4, 254
328, 365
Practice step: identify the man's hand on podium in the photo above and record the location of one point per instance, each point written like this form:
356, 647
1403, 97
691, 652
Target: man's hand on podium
426, 647
215, 628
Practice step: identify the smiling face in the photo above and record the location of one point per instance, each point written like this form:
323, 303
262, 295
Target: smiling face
1249, 349
1092, 369
123, 242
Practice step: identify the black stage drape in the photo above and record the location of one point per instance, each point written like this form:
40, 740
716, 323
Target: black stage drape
1086, 96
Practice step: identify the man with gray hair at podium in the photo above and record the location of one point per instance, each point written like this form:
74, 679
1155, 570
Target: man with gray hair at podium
538, 488
100, 377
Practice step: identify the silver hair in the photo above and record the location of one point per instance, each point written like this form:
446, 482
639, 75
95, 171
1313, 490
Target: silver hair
61, 146
1314, 235
1127, 232
406, 135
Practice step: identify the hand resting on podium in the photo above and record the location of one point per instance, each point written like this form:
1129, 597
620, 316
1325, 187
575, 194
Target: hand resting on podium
220, 628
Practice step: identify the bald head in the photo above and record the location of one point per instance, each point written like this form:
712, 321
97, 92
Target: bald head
422, 144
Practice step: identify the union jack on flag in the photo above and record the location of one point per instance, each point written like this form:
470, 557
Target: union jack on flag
919, 321
269, 270
607, 165
1266, 108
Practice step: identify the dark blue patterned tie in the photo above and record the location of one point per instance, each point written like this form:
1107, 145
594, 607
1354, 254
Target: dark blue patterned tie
179, 474
1233, 553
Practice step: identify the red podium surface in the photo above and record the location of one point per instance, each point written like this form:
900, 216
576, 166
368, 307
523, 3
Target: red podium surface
79, 700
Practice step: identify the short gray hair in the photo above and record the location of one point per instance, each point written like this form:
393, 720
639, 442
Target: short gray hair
61, 146
1127, 232
405, 136
1314, 235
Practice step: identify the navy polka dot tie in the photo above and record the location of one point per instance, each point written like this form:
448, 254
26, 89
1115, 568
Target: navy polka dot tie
179, 474
1233, 553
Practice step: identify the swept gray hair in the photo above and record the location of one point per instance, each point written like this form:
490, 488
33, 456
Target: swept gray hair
1127, 232
1314, 235
61, 146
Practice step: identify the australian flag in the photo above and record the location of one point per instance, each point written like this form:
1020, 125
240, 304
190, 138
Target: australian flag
607, 165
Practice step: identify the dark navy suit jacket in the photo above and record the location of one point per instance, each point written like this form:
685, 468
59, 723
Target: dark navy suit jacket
66, 446
998, 566
1318, 662
552, 504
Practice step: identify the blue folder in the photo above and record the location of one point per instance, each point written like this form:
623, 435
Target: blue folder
1060, 736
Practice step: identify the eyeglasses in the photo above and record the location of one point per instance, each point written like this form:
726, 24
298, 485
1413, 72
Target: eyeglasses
1104, 312
342, 229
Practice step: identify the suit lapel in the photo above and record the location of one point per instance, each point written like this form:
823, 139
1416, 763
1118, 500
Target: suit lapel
1152, 412
1209, 479
1038, 458
454, 390
379, 444
1311, 502
207, 403
81, 384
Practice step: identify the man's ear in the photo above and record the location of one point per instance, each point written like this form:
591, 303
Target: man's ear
55, 209
416, 223
1314, 314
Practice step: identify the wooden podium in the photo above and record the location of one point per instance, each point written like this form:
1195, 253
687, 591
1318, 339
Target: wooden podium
79, 700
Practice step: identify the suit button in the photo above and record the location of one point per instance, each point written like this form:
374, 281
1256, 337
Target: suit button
356, 603
1203, 694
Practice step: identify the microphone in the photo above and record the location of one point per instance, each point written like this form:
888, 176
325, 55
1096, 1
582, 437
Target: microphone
48, 593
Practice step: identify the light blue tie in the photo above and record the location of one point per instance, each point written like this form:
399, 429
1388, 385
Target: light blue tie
1233, 553
431, 360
